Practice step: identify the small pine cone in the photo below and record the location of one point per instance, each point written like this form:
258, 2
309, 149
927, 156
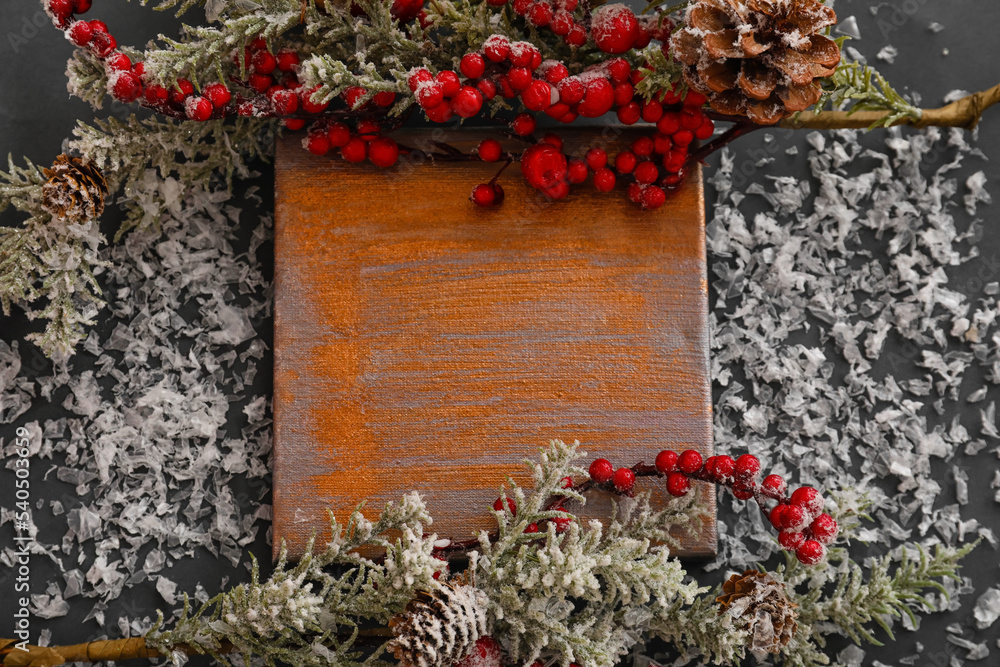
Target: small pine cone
440, 627
758, 603
757, 58
75, 189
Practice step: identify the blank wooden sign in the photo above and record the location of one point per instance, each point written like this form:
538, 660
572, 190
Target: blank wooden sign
422, 343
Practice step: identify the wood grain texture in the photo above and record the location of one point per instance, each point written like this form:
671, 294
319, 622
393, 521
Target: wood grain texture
422, 343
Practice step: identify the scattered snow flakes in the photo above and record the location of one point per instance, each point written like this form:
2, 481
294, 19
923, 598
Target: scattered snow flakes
935, 27
887, 54
987, 609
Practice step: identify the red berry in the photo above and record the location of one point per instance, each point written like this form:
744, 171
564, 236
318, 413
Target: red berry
490, 150
487, 88
483, 195
623, 93
556, 73
596, 159
624, 164
182, 91
496, 48
553, 139
519, 78
61, 9
689, 461
629, 114
743, 491
544, 167
218, 94
674, 160
383, 152
80, 33
694, 99
682, 138
652, 111
619, 70
724, 468
486, 652
308, 105
102, 43
823, 529
417, 77
566, 483
440, 114
531, 527
258, 43
562, 523
285, 102
634, 192
339, 135
472, 66
604, 179
155, 94
368, 129
126, 86
467, 102
98, 26
666, 461
263, 62
355, 150
599, 99
352, 95
119, 62
705, 130
669, 123
521, 7
538, 96
523, 124
571, 90
557, 111
450, 83
646, 172
139, 69
643, 146
810, 553
601, 471
577, 171
260, 82
561, 23
540, 13
318, 143
691, 119
793, 518
614, 28
577, 36
430, 95
653, 197
623, 480
791, 539
661, 143
777, 515
198, 108
677, 484
773, 486
499, 193
499, 503
747, 467
384, 99
82, 6
808, 499
287, 60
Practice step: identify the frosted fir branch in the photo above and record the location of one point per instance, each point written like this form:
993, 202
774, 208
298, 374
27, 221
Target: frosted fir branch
206, 52
197, 155
332, 77
86, 78
699, 630
21, 187
856, 87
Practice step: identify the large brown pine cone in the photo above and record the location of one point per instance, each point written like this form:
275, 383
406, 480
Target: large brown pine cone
758, 602
75, 189
758, 58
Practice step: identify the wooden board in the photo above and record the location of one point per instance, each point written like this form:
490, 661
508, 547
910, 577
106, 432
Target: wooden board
422, 343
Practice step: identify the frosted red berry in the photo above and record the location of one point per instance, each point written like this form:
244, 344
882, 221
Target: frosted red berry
623, 480
743, 490
498, 504
604, 179
724, 467
81, 6
218, 94
791, 539
285, 102
773, 486
126, 86
540, 13
417, 77
689, 461
537, 96
823, 529
450, 83
339, 134
810, 552
678, 484
80, 33
384, 99
430, 95
263, 62
496, 48
61, 9
318, 143
198, 108
747, 467
352, 96
599, 99
666, 461
287, 60
523, 124
531, 528
653, 197
808, 499
355, 150
571, 90
614, 28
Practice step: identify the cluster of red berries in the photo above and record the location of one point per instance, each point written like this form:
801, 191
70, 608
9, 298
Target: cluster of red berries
364, 143
804, 528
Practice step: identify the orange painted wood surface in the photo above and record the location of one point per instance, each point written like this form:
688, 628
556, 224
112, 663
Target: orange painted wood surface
422, 343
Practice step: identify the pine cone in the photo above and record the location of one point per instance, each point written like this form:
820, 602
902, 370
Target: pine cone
440, 627
75, 189
759, 604
758, 58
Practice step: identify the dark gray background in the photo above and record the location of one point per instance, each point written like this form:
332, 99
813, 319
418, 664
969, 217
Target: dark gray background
36, 114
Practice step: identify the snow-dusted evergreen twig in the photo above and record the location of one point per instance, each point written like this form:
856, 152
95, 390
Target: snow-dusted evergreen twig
585, 595
310, 614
